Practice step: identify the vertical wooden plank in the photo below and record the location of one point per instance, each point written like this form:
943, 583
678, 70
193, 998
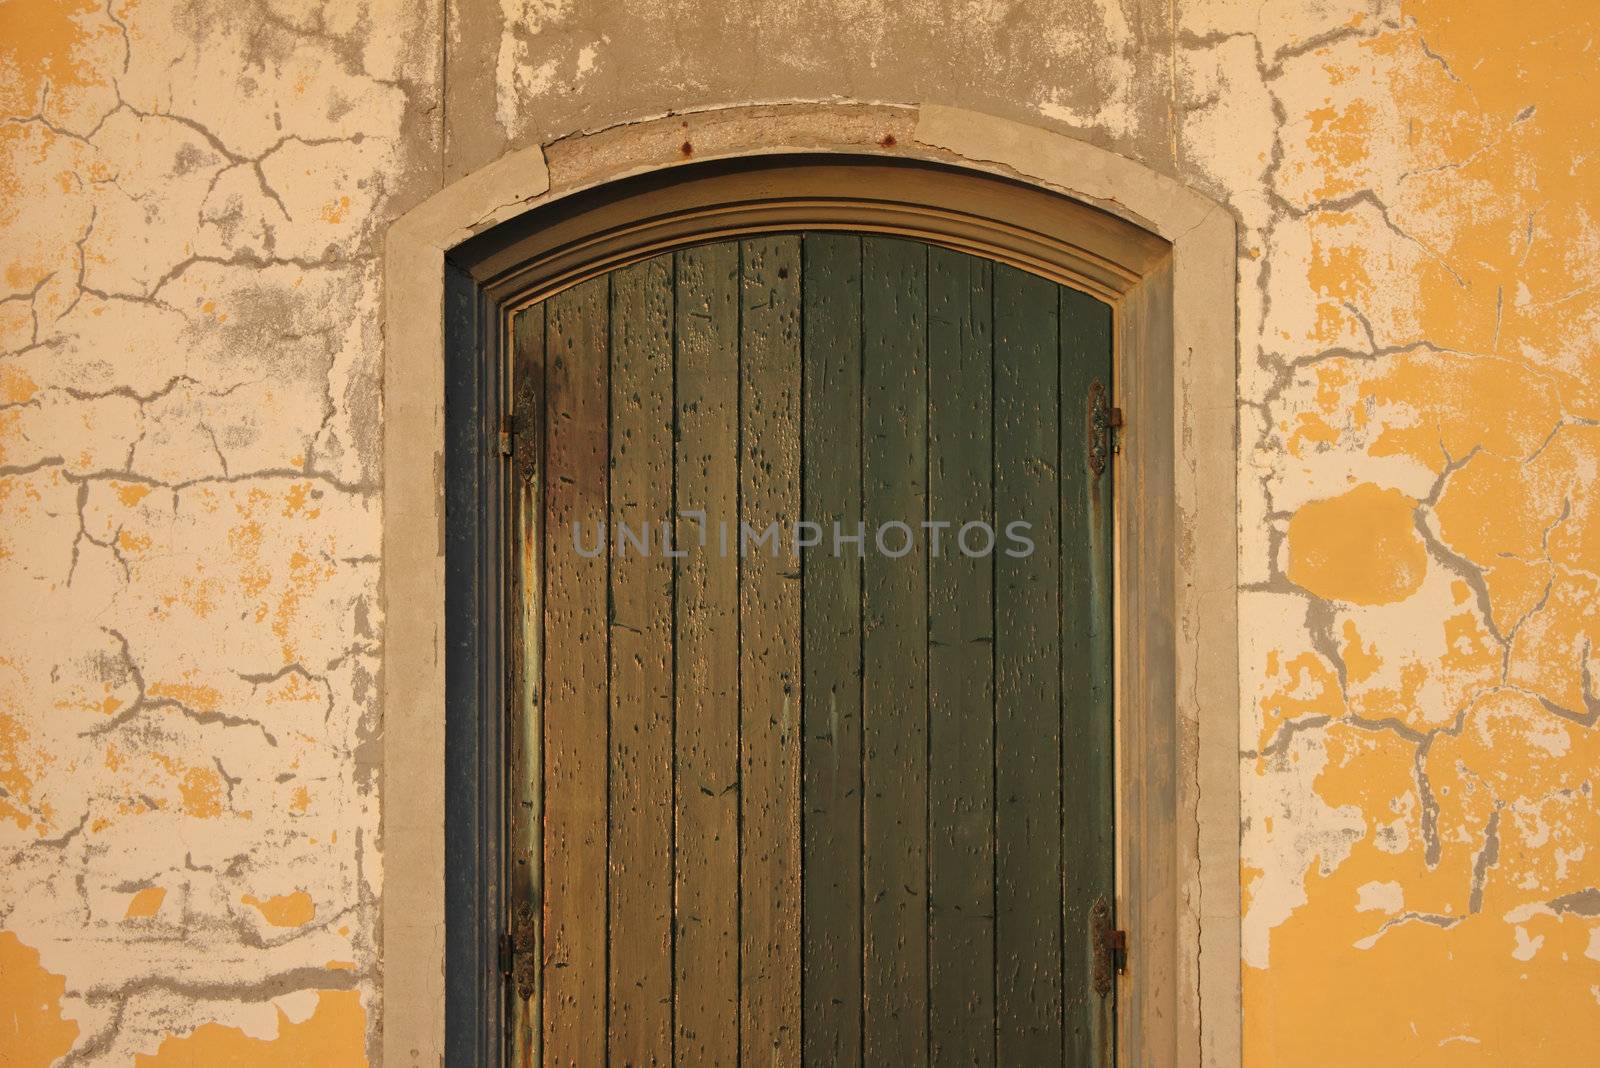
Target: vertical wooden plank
960, 664
769, 652
894, 652
575, 678
706, 965
831, 665
525, 795
1086, 673
1027, 673
640, 627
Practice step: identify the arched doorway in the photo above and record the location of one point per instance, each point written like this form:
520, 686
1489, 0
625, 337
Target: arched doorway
1164, 367
815, 638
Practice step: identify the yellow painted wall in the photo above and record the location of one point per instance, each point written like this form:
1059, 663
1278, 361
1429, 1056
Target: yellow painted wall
1422, 843
192, 202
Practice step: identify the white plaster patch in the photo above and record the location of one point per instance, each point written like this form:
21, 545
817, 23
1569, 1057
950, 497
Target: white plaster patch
517, 76
1228, 131
299, 1005
1281, 637
257, 1020
1112, 74
1301, 467
1387, 897
1565, 859
1526, 946
1416, 632
1343, 253
587, 56
1290, 828
1256, 529
1279, 25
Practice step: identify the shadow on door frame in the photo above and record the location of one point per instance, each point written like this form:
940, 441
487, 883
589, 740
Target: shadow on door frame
542, 219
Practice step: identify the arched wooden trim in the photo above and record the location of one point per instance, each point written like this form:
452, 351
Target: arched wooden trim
600, 229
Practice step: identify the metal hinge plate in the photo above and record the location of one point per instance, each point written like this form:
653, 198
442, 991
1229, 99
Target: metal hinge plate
505, 435
1110, 947
518, 947
1105, 421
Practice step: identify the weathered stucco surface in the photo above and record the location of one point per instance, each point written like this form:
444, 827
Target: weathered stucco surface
1422, 535
192, 199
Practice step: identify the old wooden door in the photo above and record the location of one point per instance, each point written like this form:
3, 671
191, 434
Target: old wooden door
820, 736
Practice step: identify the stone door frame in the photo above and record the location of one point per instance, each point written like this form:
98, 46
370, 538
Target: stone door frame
1176, 604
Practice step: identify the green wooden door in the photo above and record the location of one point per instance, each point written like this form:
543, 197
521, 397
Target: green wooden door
823, 718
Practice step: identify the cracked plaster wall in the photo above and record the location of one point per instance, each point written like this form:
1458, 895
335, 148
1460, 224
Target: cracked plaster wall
192, 197
191, 202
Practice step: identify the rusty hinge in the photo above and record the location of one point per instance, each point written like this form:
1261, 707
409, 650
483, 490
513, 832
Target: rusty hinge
1110, 947
521, 437
1105, 420
518, 947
